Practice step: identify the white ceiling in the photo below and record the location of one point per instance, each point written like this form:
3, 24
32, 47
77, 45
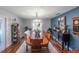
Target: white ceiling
43, 11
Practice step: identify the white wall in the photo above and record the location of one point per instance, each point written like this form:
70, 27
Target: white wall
28, 22
8, 17
46, 23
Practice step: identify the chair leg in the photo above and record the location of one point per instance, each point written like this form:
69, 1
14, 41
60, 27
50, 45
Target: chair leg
26, 48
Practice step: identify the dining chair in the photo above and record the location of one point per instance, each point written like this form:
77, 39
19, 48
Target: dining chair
46, 39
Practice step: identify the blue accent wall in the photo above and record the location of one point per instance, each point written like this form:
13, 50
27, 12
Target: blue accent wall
74, 39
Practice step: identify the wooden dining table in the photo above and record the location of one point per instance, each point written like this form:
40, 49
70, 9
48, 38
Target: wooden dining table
44, 41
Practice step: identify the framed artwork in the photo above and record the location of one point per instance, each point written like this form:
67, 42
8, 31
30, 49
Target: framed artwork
62, 23
75, 25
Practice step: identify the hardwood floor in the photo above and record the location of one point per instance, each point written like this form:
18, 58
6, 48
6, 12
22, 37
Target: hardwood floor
43, 50
50, 49
58, 46
13, 48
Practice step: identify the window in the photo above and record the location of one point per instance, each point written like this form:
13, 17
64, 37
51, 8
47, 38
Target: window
37, 24
62, 23
2, 34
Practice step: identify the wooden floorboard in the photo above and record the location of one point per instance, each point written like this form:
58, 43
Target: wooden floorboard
58, 46
13, 48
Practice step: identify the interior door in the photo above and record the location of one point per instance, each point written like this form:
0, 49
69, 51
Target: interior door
2, 34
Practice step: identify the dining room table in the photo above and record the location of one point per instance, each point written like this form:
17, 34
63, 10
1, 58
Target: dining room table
36, 43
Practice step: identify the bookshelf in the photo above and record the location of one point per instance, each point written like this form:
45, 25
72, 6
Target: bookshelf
15, 32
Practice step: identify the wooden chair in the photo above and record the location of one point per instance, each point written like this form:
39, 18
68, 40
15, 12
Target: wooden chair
46, 40
36, 45
48, 36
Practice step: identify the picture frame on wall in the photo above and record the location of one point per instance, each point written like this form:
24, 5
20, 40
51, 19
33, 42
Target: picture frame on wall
62, 23
75, 25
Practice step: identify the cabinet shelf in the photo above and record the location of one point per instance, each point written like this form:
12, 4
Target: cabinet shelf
15, 32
